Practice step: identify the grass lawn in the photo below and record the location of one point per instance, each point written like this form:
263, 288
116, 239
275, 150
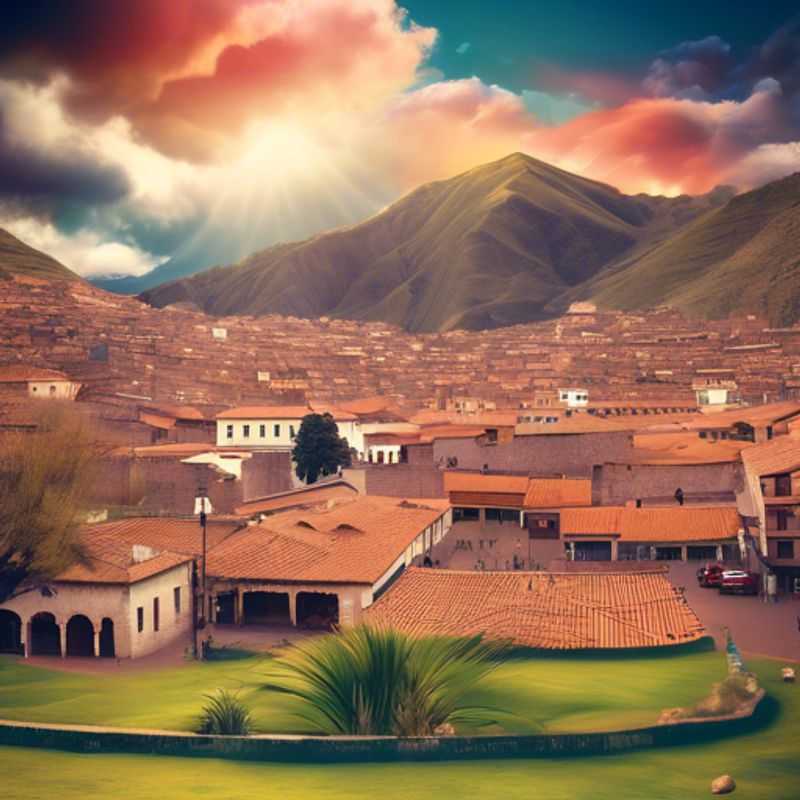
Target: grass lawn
545, 694
765, 764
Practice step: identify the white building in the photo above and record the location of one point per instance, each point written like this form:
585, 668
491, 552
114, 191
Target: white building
275, 427
35, 382
574, 398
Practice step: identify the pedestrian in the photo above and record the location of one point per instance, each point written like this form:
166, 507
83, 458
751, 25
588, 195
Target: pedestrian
679, 496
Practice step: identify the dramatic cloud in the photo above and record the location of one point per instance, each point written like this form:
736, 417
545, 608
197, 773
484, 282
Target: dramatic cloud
205, 129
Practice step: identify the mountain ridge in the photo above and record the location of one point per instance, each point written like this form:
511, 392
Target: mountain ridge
493, 246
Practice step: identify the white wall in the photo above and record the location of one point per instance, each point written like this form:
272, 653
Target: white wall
283, 439
171, 625
59, 390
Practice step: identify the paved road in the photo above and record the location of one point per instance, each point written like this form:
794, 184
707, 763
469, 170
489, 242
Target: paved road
758, 628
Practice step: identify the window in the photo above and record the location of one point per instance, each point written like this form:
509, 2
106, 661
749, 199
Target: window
262, 431
176, 596
502, 515
229, 431
786, 548
155, 614
52, 390
277, 431
466, 514
245, 431
140, 619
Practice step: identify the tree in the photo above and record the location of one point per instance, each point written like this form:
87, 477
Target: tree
318, 448
375, 681
45, 479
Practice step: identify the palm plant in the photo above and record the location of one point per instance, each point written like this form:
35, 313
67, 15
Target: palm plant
225, 714
375, 681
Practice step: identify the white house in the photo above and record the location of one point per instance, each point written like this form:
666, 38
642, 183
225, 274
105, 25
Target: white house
275, 427
574, 398
35, 382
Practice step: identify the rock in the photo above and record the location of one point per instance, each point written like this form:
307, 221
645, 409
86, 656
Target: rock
723, 785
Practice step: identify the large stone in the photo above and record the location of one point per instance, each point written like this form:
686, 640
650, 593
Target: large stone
723, 785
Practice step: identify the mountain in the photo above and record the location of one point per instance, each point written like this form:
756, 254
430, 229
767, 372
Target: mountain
17, 258
742, 257
494, 246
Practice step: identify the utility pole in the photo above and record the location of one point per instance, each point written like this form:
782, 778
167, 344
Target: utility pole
202, 503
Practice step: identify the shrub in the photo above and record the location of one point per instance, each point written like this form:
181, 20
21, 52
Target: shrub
225, 714
373, 681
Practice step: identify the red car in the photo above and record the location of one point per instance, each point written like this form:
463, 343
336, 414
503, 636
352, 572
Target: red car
738, 581
710, 575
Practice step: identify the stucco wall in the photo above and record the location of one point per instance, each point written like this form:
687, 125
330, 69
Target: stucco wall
616, 484
573, 455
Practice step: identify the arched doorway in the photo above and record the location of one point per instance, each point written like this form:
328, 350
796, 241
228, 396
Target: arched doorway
10, 632
264, 608
107, 638
45, 638
80, 637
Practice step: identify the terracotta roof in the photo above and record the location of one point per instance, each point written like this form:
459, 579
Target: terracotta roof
778, 455
175, 411
157, 420
685, 447
355, 541
484, 419
334, 411
109, 559
14, 373
752, 415
558, 492
367, 405
178, 449
554, 611
654, 524
265, 412
307, 495
478, 482
167, 533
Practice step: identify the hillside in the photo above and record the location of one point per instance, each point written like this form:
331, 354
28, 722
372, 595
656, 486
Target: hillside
743, 257
491, 247
17, 258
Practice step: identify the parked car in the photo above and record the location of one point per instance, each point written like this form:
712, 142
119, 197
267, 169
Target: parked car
739, 581
710, 575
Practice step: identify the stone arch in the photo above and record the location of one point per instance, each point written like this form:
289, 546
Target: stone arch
107, 648
10, 632
45, 635
80, 636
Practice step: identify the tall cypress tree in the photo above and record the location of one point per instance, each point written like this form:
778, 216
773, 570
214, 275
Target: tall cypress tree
318, 448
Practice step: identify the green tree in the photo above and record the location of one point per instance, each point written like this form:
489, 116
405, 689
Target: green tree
318, 448
45, 480
375, 681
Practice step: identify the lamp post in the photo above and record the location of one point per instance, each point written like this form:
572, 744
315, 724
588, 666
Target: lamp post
202, 506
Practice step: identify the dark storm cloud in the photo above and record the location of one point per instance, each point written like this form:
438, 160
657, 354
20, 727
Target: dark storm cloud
42, 181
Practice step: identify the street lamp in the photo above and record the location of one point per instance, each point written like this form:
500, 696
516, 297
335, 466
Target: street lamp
202, 507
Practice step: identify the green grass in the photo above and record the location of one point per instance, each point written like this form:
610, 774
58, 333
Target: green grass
544, 694
765, 764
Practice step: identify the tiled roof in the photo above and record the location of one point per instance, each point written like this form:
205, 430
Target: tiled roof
307, 495
14, 373
179, 450
778, 455
157, 420
752, 415
655, 524
355, 541
108, 558
336, 412
682, 447
558, 492
167, 533
265, 412
478, 482
577, 423
566, 611
484, 419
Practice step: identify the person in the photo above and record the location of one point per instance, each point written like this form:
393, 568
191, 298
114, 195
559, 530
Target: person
679, 496
426, 562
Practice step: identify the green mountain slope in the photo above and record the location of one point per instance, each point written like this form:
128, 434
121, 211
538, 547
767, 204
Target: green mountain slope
17, 258
742, 257
493, 246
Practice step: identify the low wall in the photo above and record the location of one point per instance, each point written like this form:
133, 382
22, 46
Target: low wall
87, 739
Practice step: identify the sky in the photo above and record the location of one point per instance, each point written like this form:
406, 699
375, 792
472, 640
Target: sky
202, 130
